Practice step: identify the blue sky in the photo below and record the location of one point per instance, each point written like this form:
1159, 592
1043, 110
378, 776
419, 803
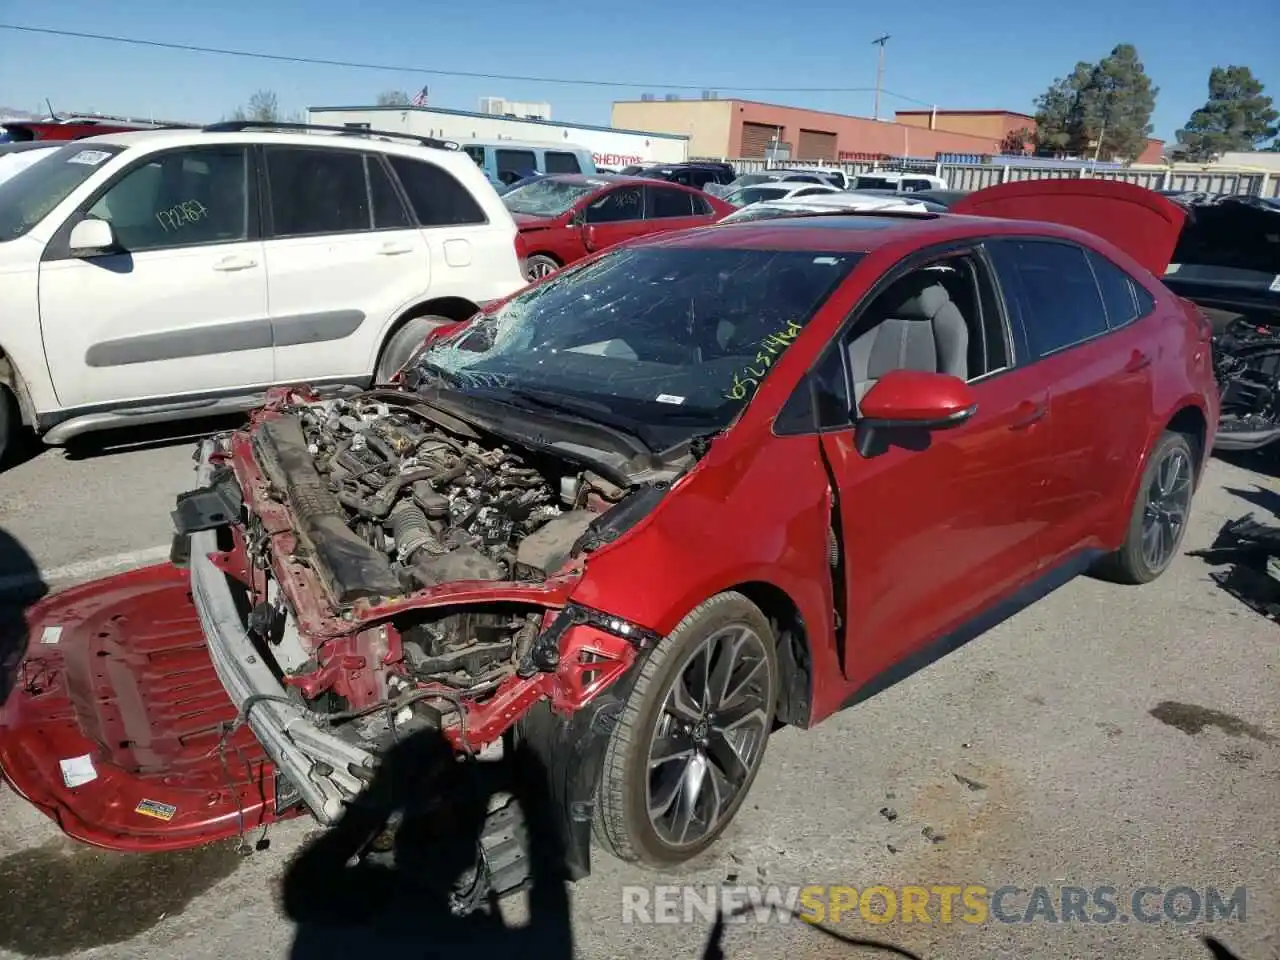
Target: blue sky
977, 54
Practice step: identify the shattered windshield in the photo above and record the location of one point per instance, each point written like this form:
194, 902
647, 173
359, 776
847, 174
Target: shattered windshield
548, 197
669, 342
30, 195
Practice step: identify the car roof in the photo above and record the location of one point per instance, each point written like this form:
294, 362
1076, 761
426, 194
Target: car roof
851, 232
598, 179
355, 139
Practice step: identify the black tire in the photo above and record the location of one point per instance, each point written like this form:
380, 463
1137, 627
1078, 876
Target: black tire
401, 344
1131, 564
10, 426
622, 822
538, 266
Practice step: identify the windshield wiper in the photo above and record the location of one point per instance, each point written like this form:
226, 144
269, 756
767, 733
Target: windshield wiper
583, 411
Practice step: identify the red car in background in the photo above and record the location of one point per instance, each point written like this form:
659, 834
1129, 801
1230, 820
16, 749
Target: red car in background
75, 128
564, 218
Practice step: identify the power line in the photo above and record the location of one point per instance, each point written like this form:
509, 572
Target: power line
392, 68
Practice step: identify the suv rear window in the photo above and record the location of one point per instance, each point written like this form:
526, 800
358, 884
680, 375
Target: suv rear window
437, 198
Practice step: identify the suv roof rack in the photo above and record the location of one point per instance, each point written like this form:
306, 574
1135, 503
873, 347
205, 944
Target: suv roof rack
235, 126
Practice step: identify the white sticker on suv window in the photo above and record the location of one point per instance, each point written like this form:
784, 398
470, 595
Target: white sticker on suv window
89, 157
668, 398
1275, 284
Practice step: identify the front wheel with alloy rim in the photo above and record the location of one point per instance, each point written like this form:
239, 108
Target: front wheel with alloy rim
692, 735
539, 266
1160, 513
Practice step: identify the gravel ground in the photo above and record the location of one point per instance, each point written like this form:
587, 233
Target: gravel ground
1109, 736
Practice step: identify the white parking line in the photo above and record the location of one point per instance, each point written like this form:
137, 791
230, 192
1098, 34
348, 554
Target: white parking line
84, 569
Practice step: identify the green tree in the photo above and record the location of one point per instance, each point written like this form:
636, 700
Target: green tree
1017, 141
264, 107
393, 98
1101, 109
1237, 116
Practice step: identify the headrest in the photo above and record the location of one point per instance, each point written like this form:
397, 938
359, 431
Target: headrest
924, 302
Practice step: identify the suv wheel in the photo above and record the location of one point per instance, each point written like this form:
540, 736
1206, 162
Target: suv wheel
691, 738
401, 344
1160, 513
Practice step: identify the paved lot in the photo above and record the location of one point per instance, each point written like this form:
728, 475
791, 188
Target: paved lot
1107, 737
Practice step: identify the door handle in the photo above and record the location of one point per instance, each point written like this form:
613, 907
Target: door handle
227, 264
1027, 413
394, 249
1139, 361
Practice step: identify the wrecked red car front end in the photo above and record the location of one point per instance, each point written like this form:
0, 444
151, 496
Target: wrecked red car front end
366, 569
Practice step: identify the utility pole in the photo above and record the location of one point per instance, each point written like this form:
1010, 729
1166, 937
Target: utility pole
880, 41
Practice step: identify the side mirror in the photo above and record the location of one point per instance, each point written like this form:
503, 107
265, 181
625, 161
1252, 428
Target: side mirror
90, 238
913, 400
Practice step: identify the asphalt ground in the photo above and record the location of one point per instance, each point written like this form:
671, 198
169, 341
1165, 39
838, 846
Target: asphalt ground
1108, 737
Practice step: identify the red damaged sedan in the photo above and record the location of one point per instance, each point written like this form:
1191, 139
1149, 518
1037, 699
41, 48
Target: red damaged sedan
564, 218
635, 516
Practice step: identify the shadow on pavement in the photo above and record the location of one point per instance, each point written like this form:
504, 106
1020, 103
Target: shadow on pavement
21, 586
152, 437
396, 901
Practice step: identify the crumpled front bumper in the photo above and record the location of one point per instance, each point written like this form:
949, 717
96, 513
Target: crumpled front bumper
314, 762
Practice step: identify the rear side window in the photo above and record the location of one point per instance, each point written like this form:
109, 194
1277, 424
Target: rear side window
515, 165
316, 191
1061, 303
669, 203
700, 206
388, 212
1119, 291
558, 162
438, 199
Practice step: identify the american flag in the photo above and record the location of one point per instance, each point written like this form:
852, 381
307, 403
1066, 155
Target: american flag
420, 98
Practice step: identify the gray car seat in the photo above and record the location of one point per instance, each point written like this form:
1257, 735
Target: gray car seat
922, 330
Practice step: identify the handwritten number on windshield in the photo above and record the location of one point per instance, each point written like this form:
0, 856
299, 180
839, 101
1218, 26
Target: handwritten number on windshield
747, 380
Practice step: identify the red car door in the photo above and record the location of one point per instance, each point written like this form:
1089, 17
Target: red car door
1098, 361
938, 528
613, 216
669, 208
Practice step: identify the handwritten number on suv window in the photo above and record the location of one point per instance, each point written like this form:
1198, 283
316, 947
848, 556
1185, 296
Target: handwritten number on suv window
747, 380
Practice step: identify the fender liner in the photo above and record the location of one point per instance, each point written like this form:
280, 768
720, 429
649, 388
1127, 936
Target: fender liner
11, 377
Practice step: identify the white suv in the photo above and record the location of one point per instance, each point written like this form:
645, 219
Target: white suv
167, 274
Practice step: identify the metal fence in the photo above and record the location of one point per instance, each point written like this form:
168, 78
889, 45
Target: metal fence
976, 176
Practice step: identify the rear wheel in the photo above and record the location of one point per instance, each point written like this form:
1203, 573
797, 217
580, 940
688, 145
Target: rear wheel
1160, 513
400, 346
539, 266
692, 736
10, 426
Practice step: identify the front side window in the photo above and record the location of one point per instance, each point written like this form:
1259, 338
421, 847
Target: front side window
669, 341
625, 203
183, 198
515, 165
559, 162
1060, 298
30, 195
316, 191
